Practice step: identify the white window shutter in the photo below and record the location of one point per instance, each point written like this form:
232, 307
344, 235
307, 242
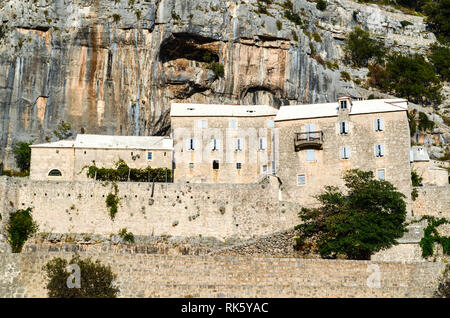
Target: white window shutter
411, 156
375, 124
310, 155
241, 143
342, 152
264, 143
194, 144
270, 123
203, 123
213, 144
376, 150
188, 144
236, 145
347, 151
382, 150
346, 127
218, 144
381, 124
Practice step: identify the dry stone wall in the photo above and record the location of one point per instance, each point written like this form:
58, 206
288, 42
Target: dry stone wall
143, 275
221, 211
432, 200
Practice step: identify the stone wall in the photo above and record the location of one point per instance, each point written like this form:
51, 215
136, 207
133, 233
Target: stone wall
432, 200
142, 275
217, 210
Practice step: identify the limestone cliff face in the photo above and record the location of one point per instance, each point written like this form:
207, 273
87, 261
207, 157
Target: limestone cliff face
114, 66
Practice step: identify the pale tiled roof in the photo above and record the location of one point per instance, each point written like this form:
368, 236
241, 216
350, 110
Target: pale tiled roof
331, 109
219, 110
113, 142
419, 153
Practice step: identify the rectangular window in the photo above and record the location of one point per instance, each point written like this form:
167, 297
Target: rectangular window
190, 144
301, 179
149, 156
310, 155
343, 104
233, 123
343, 127
191, 165
215, 145
238, 165
381, 174
262, 144
379, 150
203, 123
264, 169
238, 144
345, 152
379, 124
216, 164
270, 123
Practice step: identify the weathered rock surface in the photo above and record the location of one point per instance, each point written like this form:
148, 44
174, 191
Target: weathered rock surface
114, 66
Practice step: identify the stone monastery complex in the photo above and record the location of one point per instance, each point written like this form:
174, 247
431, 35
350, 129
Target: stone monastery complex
304, 146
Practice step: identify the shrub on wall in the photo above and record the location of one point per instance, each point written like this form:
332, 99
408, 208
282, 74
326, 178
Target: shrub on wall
21, 226
112, 201
368, 218
126, 236
93, 280
22, 154
121, 172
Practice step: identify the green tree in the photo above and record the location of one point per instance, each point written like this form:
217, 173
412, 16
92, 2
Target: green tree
408, 76
360, 48
20, 227
63, 130
96, 279
22, 154
440, 57
438, 17
368, 218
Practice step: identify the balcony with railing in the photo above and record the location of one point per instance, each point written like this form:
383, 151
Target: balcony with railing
308, 140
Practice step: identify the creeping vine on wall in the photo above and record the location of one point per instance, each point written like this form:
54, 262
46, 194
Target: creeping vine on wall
431, 236
112, 201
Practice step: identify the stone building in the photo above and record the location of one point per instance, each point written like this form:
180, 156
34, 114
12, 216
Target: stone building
64, 160
318, 142
430, 173
222, 143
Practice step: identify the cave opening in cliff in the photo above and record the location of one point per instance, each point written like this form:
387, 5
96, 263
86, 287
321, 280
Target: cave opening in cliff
187, 46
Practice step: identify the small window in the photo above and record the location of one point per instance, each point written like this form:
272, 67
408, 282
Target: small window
233, 123
310, 155
344, 127
191, 165
238, 165
57, 151
190, 144
262, 145
270, 123
149, 156
343, 104
379, 124
214, 144
238, 144
381, 174
264, 169
55, 173
164, 154
379, 150
85, 152
345, 152
301, 179
131, 153
203, 123
216, 164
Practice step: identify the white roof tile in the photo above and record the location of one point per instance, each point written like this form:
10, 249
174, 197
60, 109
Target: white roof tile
331, 109
112, 142
219, 110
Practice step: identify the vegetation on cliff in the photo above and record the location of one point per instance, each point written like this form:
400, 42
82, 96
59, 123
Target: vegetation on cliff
368, 218
22, 154
79, 279
21, 226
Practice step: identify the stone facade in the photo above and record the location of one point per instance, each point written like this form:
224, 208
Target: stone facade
327, 166
143, 275
254, 159
69, 158
432, 200
217, 210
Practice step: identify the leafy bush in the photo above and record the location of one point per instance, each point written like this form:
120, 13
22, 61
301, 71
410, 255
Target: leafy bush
360, 48
96, 280
116, 17
345, 76
405, 23
217, 68
22, 154
20, 227
13, 173
121, 171
279, 25
293, 17
321, 5
408, 76
63, 130
365, 220
416, 179
126, 236
440, 57
443, 290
